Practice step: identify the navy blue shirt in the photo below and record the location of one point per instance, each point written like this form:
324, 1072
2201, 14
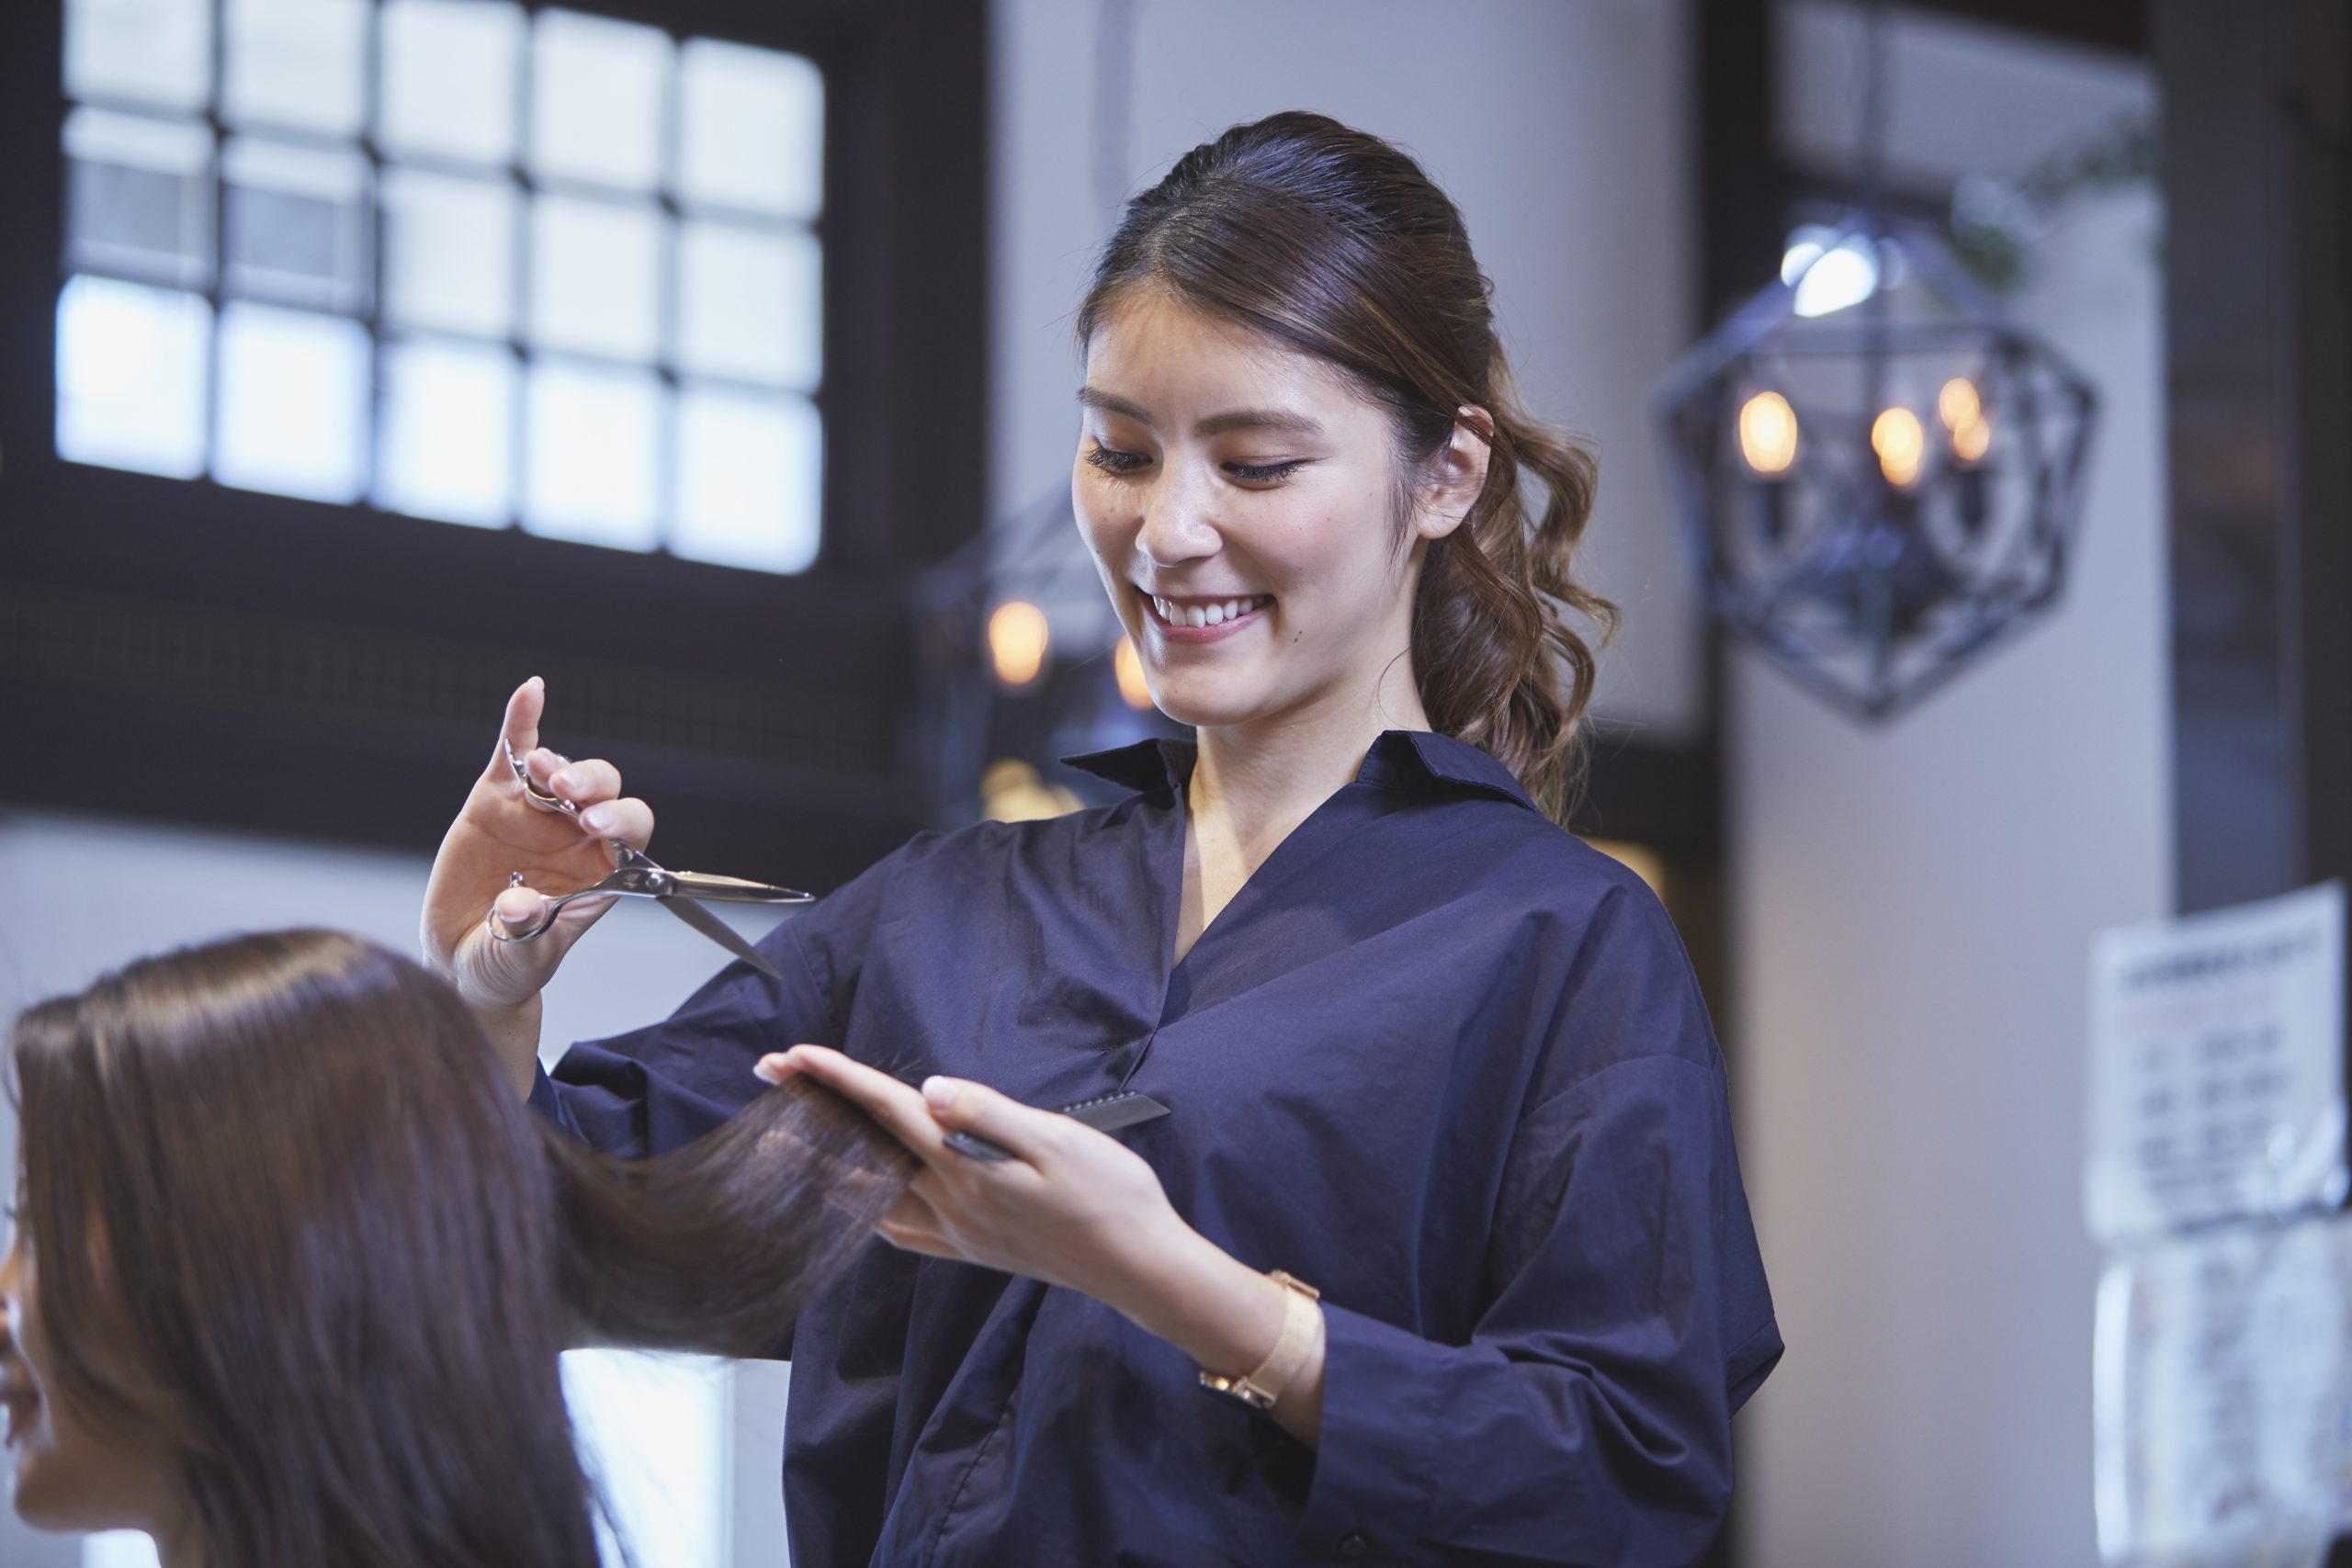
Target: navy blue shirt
1438, 1058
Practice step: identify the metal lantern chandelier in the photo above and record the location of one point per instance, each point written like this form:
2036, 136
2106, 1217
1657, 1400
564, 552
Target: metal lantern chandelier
1878, 472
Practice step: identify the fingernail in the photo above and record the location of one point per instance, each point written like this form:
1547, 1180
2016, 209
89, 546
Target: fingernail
940, 1092
770, 1069
563, 783
597, 817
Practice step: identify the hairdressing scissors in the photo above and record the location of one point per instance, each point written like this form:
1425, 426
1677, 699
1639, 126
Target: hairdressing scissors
635, 875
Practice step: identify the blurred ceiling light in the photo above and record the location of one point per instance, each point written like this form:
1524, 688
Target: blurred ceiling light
1957, 404
1767, 434
1011, 790
1972, 440
1900, 443
1873, 594
1017, 638
1828, 281
1127, 665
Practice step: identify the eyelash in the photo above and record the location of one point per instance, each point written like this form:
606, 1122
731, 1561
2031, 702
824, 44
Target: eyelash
1111, 460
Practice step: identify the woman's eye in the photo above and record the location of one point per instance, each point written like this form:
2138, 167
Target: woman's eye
1264, 473
1110, 459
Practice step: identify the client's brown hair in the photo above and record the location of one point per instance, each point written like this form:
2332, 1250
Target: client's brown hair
337, 1257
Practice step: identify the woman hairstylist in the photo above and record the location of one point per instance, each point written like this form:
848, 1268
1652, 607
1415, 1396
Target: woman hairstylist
1446, 1205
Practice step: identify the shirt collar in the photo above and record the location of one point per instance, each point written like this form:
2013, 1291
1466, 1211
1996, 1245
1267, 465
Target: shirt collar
1399, 757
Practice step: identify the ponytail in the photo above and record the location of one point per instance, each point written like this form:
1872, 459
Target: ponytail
1498, 663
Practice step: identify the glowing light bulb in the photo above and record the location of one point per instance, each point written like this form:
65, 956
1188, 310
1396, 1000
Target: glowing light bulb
1956, 405
1900, 443
1017, 639
1767, 434
1972, 440
1127, 665
1832, 279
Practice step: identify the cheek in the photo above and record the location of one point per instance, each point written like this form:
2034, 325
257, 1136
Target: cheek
1106, 519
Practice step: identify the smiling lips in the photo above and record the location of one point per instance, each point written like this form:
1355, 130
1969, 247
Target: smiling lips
1197, 613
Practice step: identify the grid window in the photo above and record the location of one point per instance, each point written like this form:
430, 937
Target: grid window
463, 260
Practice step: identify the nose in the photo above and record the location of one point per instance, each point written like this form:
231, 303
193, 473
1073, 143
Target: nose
1179, 518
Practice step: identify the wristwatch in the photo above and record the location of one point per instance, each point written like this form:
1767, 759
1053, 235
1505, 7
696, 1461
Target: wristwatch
1301, 1320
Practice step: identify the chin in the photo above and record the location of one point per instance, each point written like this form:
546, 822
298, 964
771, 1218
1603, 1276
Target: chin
1205, 704
49, 1496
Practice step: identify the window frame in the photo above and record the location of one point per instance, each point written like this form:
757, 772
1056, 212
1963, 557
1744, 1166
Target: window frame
173, 647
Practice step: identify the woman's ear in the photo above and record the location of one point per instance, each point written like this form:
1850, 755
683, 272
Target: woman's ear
1455, 475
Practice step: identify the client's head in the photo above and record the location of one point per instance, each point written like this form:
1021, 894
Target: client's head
292, 1264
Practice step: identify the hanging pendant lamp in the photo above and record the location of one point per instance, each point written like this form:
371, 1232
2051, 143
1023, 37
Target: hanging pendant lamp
1880, 472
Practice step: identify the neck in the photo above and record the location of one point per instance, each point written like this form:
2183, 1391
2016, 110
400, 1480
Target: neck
1263, 777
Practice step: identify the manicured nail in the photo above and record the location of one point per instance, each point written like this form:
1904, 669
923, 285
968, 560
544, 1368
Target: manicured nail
773, 1069
598, 818
940, 1092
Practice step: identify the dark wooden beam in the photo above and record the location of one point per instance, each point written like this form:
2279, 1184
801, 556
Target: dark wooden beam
2258, 328
2119, 25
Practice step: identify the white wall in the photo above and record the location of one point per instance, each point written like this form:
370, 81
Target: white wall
80, 895
1559, 127
1911, 911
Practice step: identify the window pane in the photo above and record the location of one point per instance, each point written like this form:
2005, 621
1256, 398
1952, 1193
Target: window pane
751, 129
750, 480
450, 76
293, 403
447, 448
296, 224
750, 304
155, 52
655, 1431
449, 253
593, 451
130, 377
301, 64
597, 97
595, 276
139, 196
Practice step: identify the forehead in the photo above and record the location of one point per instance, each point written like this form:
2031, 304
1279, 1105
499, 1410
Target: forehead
1154, 350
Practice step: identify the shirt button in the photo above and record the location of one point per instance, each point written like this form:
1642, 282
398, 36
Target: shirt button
1352, 1545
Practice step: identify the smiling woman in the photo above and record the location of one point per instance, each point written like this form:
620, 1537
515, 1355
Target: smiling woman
1440, 1254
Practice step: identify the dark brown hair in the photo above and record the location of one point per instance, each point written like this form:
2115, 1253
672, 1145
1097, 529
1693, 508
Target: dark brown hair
1335, 243
336, 1257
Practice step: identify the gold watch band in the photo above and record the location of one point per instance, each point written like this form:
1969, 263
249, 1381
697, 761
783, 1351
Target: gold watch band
1301, 1320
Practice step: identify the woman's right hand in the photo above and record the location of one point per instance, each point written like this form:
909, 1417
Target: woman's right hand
501, 832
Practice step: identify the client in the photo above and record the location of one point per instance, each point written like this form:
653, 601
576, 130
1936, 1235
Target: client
292, 1263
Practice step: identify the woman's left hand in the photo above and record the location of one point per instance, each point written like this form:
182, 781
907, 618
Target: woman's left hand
1072, 1206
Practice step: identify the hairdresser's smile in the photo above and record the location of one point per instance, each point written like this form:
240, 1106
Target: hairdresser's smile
1192, 620
1238, 498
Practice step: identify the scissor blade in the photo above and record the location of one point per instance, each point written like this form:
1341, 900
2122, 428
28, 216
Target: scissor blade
736, 889
719, 931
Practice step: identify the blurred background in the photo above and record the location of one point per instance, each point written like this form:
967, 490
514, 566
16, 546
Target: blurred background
361, 358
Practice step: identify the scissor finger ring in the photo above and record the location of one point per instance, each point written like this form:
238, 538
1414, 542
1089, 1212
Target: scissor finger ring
543, 799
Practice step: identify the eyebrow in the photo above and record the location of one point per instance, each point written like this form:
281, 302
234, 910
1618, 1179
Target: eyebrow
1215, 424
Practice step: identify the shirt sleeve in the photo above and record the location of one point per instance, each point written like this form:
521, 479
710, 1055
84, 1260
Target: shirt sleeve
653, 1090
1587, 1420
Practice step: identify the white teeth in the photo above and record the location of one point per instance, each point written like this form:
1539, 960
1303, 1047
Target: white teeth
1177, 615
